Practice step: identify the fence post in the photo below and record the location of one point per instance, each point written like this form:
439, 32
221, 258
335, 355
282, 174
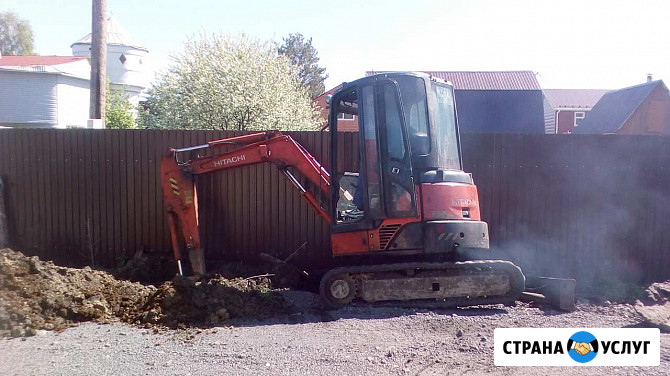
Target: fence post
4, 231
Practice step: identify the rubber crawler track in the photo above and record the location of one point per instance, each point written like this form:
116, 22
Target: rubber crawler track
516, 277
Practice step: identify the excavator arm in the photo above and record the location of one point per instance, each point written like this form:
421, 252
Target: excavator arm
180, 194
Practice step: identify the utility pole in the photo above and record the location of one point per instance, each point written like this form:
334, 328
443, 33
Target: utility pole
98, 61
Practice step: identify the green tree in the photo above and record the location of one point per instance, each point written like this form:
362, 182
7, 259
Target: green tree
16, 35
118, 110
228, 83
303, 55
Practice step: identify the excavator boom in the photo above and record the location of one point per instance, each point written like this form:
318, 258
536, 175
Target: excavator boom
179, 192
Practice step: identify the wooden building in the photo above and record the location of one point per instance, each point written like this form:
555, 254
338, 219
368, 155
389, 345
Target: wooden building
640, 109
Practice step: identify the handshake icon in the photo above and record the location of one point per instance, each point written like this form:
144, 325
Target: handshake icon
582, 348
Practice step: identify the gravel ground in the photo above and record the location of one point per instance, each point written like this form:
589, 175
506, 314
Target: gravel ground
358, 340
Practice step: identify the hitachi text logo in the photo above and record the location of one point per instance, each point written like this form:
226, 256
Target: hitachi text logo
464, 202
225, 161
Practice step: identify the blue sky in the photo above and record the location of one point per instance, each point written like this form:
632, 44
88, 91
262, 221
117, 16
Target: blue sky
570, 44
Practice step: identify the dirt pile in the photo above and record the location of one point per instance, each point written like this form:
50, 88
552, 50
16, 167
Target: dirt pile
211, 301
40, 295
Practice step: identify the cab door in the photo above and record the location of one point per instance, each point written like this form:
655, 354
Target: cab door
384, 184
397, 178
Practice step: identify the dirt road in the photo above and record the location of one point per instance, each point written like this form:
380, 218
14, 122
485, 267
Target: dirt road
354, 341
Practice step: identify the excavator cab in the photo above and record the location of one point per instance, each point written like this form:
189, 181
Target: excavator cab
410, 195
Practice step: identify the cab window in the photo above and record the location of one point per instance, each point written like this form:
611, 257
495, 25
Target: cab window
413, 93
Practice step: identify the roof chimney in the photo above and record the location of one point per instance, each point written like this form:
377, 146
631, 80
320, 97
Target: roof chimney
649, 77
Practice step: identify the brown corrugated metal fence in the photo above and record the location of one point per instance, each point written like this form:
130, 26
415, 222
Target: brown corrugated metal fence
561, 205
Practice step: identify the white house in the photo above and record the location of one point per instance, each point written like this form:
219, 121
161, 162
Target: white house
44, 91
126, 60
53, 91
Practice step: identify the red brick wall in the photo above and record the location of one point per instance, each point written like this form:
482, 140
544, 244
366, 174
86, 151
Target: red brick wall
320, 103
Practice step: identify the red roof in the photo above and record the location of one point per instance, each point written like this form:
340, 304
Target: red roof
21, 61
491, 80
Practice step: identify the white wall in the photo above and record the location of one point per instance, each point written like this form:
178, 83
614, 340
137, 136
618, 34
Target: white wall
73, 102
28, 99
131, 73
42, 100
549, 116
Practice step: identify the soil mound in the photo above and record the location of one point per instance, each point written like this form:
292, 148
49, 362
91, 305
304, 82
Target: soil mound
211, 301
40, 295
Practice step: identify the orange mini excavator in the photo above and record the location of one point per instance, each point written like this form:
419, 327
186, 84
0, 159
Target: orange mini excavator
410, 214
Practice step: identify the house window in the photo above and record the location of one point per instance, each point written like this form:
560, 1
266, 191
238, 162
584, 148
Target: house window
122, 58
579, 116
344, 116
